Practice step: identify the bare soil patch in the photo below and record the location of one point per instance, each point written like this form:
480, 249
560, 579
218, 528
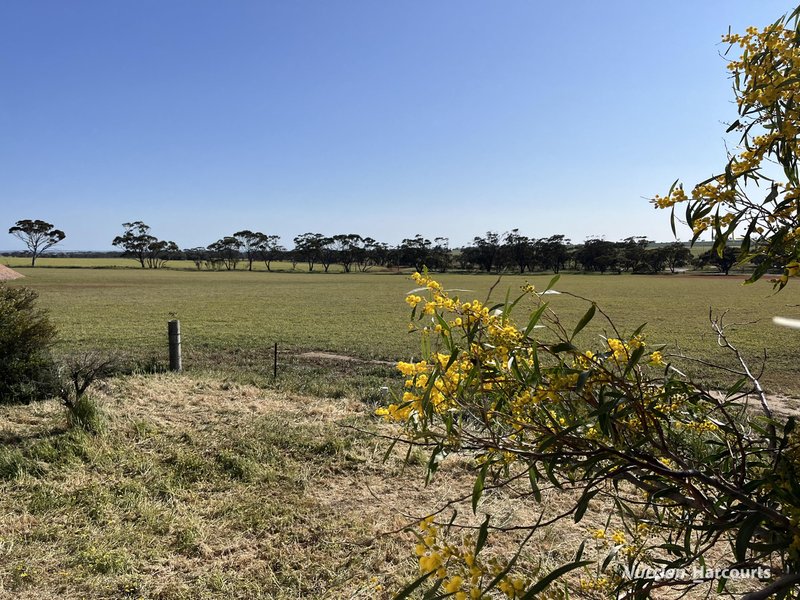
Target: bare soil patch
9, 274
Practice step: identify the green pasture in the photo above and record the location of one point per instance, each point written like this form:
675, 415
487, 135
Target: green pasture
228, 317
17, 262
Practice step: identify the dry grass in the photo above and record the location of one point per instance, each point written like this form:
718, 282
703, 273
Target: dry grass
203, 487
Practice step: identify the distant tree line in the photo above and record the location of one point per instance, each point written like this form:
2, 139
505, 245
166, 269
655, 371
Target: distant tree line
493, 252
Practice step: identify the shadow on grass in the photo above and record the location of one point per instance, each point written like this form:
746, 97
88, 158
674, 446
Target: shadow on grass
15, 439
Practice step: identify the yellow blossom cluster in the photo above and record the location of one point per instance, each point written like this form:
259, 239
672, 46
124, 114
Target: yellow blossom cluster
462, 573
772, 77
766, 86
792, 269
677, 195
600, 585
699, 426
433, 382
618, 544
621, 351
412, 300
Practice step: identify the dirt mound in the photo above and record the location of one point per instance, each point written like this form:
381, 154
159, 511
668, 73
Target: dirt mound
7, 274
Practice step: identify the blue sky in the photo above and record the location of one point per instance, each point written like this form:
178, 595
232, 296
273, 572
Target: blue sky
387, 119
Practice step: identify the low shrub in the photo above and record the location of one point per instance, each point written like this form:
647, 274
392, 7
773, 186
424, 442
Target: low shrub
26, 336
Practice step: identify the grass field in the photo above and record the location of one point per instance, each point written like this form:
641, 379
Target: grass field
47, 262
204, 485
233, 318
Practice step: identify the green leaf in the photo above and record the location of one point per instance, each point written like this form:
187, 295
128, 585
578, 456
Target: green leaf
584, 320
672, 187
583, 504
579, 553
533, 476
409, 589
759, 271
407, 459
477, 489
505, 305
549, 468
450, 361
426, 347
736, 387
745, 247
483, 533
562, 347
746, 531
634, 359
553, 281
389, 449
507, 308
582, 379
442, 322
673, 549
723, 581
687, 540
536, 370
433, 593
514, 366
611, 556
433, 463
535, 318
552, 576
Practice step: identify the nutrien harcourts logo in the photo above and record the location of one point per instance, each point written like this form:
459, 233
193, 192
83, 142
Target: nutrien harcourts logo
695, 575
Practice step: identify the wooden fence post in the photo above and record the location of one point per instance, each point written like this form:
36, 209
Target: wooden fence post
174, 331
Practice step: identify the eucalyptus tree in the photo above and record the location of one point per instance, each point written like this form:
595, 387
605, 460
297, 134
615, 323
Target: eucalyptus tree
37, 235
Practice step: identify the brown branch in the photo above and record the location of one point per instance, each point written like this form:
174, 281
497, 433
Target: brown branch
722, 340
788, 580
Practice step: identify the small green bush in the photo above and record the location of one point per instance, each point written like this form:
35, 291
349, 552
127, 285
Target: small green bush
26, 336
76, 374
85, 414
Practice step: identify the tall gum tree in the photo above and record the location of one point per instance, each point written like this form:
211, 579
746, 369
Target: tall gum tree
37, 235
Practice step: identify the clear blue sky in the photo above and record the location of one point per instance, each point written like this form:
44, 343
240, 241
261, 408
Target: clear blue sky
382, 118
